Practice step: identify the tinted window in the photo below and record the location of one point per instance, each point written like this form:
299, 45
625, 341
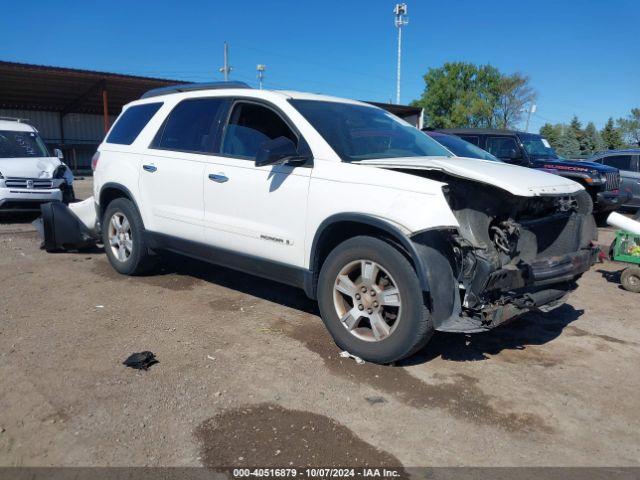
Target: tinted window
537, 146
501, 147
15, 144
462, 148
250, 125
474, 140
623, 162
358, 132
191, 126
131, 122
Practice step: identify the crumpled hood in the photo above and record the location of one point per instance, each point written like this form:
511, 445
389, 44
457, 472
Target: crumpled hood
525, 182
29, 167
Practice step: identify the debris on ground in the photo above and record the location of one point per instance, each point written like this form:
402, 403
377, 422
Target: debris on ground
375, 399
210, 357
345, 354
141, 360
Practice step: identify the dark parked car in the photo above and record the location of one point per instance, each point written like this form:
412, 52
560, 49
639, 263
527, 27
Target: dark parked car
533, 151
460, 147
628, 162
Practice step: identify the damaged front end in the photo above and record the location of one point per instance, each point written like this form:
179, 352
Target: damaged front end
511, 254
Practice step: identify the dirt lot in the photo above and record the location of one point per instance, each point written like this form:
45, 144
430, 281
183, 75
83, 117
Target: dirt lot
248, 375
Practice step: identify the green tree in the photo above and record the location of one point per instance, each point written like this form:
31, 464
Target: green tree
576, 129
611, 136
630, 127
592, 140
460, 94
568, 145
514, 94
552, 133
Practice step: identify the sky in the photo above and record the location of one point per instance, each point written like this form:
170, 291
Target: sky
582, 56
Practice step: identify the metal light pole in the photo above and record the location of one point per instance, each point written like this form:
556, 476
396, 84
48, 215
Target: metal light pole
401, 20
226, 70
261, 69
532, 109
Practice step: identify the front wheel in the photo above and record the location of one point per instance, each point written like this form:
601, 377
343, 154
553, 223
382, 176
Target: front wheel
371, 301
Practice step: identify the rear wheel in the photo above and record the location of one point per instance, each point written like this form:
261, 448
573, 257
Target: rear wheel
123, 238
371, 301
630, 279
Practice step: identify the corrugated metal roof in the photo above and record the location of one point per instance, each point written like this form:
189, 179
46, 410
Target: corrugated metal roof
68, 90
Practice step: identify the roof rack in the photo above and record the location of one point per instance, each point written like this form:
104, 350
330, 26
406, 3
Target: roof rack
191, 87
14, 119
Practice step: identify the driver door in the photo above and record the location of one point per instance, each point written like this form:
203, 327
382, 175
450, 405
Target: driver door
256, 211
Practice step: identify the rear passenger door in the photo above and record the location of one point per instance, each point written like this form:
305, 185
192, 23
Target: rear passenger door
257, 211
174, 166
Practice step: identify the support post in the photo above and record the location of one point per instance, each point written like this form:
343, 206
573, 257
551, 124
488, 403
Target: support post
105, 110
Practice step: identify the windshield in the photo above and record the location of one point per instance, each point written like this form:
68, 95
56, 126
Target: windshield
537, 146
21, 144
359, 132
462, 148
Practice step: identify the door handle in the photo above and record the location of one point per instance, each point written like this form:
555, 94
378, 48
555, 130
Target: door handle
218, 177
149, 168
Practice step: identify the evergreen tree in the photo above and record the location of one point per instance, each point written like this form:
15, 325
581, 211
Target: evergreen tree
551, 133
576, 129
568, 144
611, 136
592, 140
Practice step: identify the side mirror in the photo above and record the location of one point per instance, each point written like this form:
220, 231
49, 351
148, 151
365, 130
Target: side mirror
278, 151
58, 153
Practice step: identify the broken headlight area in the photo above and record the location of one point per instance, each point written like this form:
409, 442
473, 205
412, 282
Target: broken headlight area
515, 254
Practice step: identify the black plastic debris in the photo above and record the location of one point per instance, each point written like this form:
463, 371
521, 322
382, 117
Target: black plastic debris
141, 360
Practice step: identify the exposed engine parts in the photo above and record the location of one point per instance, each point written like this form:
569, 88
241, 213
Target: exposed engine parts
505, 236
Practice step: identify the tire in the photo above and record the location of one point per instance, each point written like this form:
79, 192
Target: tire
406, 334
135, 259
630, 279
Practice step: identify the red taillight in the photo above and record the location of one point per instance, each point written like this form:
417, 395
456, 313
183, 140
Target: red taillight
94, 161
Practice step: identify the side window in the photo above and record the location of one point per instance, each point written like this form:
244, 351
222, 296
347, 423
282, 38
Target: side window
622, 162
131, 122
250, 125
501, 147
191, 126
471, 139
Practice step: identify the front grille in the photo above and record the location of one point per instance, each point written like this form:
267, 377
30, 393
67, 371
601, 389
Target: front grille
613, 181
28, 183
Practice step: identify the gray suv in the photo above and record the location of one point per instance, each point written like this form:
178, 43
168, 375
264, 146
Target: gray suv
628, 162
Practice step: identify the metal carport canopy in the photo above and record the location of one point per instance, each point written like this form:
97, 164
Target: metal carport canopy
67, 90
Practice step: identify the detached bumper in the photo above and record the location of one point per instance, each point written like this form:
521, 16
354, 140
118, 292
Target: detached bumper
610, 201
65, 227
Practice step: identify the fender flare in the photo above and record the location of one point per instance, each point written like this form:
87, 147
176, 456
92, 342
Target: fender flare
115, 186
393, 231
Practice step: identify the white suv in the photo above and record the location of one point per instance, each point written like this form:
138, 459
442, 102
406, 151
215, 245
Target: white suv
29, 175
390, 232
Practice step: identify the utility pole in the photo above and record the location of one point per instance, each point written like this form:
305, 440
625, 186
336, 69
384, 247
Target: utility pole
261, 68
532, 109
226, 70
401, 20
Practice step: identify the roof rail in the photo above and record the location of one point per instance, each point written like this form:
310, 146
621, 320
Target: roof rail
14, 119
190, 87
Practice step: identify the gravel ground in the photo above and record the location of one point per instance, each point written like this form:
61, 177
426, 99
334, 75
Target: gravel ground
247, 375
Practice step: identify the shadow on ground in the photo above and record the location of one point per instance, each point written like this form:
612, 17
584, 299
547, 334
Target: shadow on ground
535, 328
